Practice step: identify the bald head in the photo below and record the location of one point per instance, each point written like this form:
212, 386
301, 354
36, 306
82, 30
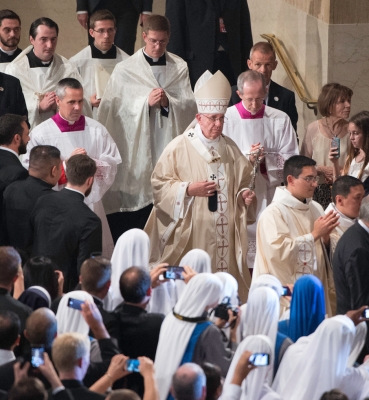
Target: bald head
41, 327
189, 383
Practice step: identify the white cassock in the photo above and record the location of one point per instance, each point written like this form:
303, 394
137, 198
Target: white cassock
99, 145
320, 362
345, 223
38, 81
275, 133
140, 131
91, 69
286, 248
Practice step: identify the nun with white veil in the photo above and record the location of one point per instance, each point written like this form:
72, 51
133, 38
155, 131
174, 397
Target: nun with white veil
199, 260
133, 249
187, 335
256, 385
318, 363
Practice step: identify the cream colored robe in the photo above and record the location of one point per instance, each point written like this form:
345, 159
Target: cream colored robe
179, 223
286, 248
34, 85
125, 111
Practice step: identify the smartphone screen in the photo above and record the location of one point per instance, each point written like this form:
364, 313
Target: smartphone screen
174, 273
132, 365
286, 291
74, 303
37, 356
365, 313
336, 143
259, 359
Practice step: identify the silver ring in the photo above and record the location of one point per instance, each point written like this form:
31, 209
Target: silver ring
209, 191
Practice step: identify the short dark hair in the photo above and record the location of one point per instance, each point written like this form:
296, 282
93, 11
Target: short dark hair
40, 271
42, 21
41, 327
9, 329
213, 380
156, 23
334, 394
43, 157
101, 15
8, 14
95, 273
65, 83
294, 165
123, 394
330, 95
9, 264
80, 167
28, 389
343, 185
10, 125
134, 284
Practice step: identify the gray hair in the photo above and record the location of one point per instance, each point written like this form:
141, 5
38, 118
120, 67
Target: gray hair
249, 77
364, 209
188, 382
70, 83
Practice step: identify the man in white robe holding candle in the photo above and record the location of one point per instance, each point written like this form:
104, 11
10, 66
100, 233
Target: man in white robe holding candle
201, 195
253, 126
73, 133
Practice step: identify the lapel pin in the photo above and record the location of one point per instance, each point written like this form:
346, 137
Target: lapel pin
276, 98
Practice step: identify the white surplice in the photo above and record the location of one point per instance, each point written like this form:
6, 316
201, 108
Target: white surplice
285, 246
38, 81
275, 133
125, 111
88, 68
100, 146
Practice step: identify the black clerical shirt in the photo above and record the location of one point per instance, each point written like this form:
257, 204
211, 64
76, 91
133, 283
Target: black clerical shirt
111, 54
6, 58
35, 62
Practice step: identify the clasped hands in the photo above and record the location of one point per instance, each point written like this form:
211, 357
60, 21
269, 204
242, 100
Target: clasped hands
158, 97
255, 149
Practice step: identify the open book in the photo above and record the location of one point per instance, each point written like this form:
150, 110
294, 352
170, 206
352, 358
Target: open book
101, 80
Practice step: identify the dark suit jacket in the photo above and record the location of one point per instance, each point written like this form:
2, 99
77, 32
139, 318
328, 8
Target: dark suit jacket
286, 101
79, 391
91, 5
19, 199
139, 336
193, 33
11, 98
350, 270
67, 231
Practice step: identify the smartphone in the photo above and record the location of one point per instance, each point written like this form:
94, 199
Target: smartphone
76, 304
174, 273
365, 313
336, 143
259, 359
286, 291
37, 356
132, 365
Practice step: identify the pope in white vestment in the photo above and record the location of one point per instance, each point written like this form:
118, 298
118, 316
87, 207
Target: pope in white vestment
248, 126
181, 221
89, 135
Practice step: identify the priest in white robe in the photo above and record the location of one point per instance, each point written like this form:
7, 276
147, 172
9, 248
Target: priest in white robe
347, 195
292, 237
39, 69
147, 103
201, 195
253, 126
96, 62
73, 133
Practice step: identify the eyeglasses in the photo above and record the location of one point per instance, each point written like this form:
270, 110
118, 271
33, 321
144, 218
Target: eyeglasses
256, 101
109, 31
159, 42
310, 179
214, 120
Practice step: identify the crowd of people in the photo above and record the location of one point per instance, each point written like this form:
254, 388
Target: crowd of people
162, 236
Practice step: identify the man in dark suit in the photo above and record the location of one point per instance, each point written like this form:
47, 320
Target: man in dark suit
210, 35
64, 227
263, 60
21, 196
139, 330
11, 96
9, 335
10, 31
126, 14
350, 266
14, 136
